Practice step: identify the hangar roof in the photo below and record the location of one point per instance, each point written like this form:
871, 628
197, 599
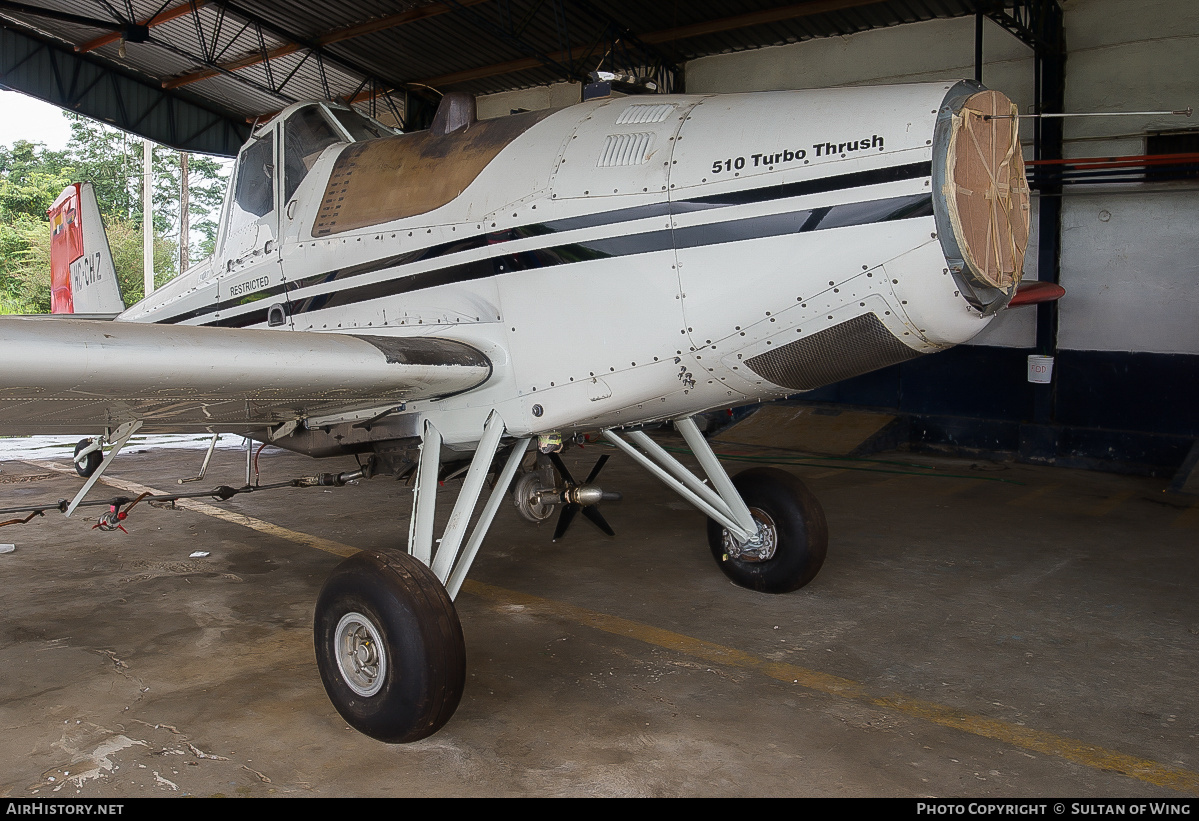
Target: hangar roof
195, 74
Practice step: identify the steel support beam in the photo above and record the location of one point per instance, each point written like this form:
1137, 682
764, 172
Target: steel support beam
342, 63
117, 438
653, 38
721, 513
1039, 25
341, 35
468, 497
715, 472
512, 37
63, 16
166, 16
753, 18
53, 72
1051, 98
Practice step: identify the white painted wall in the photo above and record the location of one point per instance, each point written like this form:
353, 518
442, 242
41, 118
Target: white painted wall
1130, 277
1130, 265
1130, 258
917, 53
558, 95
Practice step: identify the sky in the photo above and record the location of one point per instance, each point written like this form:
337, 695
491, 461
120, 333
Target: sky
25, 118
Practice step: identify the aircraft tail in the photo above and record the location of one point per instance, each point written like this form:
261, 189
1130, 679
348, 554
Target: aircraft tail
82, 277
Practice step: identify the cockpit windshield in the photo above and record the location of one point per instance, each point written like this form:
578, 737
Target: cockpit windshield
306, 133
360, 127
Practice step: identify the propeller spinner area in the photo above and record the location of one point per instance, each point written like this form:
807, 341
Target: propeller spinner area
538, 493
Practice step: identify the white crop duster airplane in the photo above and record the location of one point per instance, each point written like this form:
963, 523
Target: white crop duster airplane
487, 284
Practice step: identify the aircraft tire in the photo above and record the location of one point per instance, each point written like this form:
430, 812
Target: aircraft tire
90, 462
796, 522
389, 646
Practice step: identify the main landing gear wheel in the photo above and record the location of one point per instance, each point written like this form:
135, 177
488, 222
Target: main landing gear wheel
90, 462
794, 535
389, 646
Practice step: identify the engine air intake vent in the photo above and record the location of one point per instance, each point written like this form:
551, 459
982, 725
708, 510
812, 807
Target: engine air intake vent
626, 149
852, 348
643, 113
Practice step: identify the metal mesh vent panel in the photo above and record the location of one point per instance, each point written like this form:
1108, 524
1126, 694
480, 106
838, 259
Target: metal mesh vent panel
855, 347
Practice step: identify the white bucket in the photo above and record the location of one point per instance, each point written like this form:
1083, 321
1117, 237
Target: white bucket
1040, 369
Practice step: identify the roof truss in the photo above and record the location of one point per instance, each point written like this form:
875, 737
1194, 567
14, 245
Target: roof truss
195, 73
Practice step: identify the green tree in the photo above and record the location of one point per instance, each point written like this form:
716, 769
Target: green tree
25, 265
112, 161
32, 177
125, 240
207, 180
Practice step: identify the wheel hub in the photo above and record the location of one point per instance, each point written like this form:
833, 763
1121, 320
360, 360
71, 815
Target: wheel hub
761, 547
360, 657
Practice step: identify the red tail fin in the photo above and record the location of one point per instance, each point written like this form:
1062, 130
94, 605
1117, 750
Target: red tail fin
82, 277
66, 246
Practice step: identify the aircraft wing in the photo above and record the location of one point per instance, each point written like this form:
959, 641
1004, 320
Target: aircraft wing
74, 375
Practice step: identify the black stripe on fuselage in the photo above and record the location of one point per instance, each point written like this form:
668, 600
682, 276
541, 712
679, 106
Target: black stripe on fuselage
795, 222
730, 231
823, 185
229, 304
800, 222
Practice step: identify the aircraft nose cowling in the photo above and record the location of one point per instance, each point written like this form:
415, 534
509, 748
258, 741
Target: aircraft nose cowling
980, 195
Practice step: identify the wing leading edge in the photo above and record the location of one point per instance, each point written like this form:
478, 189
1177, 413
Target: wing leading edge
75, 375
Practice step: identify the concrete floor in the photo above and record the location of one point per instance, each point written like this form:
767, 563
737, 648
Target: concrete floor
978, 630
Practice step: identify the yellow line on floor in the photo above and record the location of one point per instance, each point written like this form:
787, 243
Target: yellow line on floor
1078, 752
1188, 517
1035, 494
696, 648
952, 487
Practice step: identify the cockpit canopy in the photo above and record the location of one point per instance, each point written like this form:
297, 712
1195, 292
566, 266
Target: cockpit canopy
311, 128
292, 141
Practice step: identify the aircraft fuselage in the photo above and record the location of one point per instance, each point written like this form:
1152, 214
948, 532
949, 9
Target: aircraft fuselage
619, 261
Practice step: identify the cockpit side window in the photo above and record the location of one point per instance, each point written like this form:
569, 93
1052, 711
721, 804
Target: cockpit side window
306, 133
251, 220
256, 178
360, 127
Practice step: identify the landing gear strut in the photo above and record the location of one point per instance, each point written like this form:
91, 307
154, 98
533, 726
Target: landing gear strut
766, 530
388, 641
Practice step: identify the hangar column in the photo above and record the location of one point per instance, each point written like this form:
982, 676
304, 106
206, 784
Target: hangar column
1050, 98
1039, 24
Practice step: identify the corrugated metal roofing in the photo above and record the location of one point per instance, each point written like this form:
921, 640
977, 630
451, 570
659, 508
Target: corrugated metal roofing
208, 54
